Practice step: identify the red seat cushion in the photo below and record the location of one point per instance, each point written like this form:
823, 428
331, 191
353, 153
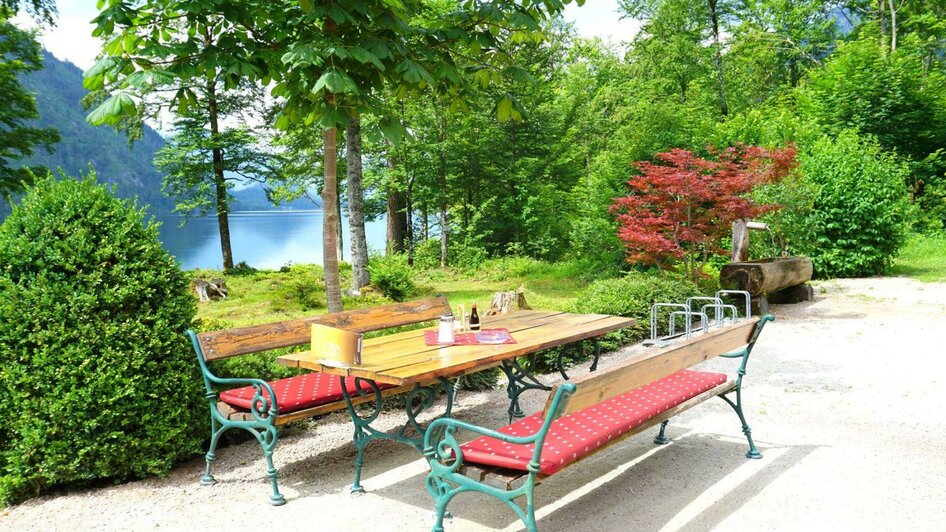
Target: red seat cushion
577, 434
298, 393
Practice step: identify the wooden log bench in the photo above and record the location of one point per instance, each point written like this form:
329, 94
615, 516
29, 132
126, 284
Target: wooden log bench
583, 417
261, 407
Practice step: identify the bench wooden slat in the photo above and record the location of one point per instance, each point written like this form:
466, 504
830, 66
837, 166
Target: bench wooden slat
240, 341
593, 388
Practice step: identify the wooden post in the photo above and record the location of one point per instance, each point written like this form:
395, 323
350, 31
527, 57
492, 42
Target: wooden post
740, 241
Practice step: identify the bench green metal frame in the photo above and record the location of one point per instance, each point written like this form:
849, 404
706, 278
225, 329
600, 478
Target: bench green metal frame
262, 426
442, 449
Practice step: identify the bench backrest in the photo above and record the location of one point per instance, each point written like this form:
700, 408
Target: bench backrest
243, 340
647, 367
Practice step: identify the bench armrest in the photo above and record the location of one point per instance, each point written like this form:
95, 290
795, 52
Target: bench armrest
441, 446
744, 352
261, 407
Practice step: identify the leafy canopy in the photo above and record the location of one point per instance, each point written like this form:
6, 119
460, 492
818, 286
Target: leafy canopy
19, 54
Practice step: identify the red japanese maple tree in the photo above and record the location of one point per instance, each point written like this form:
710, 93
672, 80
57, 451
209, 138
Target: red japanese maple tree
680, 208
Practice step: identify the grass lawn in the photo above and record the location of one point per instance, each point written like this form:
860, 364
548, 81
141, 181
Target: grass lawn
267, 296
923, 258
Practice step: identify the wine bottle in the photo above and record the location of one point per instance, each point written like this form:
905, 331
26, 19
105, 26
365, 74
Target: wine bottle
474, 318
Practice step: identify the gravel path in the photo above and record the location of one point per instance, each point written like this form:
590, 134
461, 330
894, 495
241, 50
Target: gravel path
845, 397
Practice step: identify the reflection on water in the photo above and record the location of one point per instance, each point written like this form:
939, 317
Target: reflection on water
264, 239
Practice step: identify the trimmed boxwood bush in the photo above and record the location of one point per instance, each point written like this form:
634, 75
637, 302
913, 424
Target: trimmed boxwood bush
96, 378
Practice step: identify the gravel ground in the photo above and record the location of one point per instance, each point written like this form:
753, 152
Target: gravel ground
845, 398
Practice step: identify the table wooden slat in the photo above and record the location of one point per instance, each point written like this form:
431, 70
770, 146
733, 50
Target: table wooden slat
407, 359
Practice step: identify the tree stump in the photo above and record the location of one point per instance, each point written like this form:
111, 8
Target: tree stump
504, 302
209, 290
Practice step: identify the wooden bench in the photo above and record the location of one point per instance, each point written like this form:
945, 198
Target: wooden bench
584, 416
261, 407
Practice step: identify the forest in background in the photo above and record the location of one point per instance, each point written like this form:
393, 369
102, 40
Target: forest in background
531, 164
525, 149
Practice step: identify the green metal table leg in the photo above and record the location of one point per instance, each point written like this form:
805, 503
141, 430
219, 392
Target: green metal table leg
419, 399
594, 365
519, 379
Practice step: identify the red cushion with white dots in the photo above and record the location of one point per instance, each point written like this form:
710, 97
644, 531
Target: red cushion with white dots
298, 393
579, 433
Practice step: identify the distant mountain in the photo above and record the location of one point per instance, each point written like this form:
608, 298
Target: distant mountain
253, 198
59, 92
58, 89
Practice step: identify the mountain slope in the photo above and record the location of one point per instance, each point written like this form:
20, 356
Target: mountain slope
58, 89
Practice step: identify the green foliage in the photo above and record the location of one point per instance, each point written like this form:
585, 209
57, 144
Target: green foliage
391, 275
19, 55
427, 254
300, 289
632, 296
97, 380
888, 95
861, 208
187, 160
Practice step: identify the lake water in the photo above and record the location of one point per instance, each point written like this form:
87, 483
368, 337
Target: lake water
264, 239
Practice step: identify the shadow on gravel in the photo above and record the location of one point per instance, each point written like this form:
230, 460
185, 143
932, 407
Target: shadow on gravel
617, 490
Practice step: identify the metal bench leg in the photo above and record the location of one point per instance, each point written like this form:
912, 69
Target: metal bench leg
361, 441
737, 406
441, 500
661, 439
267, 439
207, 479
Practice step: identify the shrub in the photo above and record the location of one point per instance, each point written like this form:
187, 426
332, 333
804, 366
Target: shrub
632, 296
391, 275
860, 211
300, 287
96, 377
427, 254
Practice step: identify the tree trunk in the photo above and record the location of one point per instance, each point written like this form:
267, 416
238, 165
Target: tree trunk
444, 226
333, 292
881, 14
395, 219
425, 221
356, 207
718, 59
409, 211
740, 241
339, 229
220, 183
893, 26
762, 276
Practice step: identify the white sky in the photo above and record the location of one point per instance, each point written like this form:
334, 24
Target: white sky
71, 39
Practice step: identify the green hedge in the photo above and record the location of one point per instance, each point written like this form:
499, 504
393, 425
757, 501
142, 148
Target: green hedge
96, 378
630, 296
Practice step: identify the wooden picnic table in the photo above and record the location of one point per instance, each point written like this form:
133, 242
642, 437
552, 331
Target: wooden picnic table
405, 358
394, 361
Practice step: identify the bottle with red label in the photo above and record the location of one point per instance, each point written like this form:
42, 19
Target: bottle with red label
474, 318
